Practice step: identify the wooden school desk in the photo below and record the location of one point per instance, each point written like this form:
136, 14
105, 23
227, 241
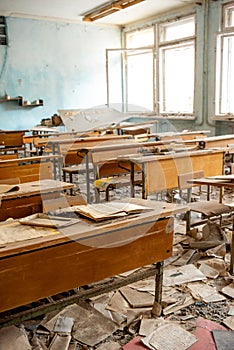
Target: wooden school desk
182, 135
28, 199
29, 168
97, 158
212, 141
11, 141
83, 253
160, 173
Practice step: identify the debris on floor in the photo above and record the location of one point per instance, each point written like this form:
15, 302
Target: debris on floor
197, 307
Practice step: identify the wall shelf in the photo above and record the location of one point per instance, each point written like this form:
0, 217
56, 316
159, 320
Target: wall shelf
35, 103
8, 99
21, 101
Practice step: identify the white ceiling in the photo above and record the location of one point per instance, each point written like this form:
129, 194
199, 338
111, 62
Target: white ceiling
74, 9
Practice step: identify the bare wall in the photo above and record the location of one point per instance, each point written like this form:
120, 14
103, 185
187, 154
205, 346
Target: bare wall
61, 63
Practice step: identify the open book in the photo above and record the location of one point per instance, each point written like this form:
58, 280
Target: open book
103, 211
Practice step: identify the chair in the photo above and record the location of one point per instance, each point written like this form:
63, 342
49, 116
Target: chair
185, 185
112, 175
209, 210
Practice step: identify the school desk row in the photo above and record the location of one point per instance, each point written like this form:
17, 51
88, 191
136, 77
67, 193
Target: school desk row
39, 142
13, 140
159, 170
114, 158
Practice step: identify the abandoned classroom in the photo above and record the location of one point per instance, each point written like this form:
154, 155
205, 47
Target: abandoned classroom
116, 175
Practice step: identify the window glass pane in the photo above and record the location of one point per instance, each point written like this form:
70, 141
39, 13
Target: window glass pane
227, 85
229, 16
177, 79
140, 82
141, 38
177, 30
114, 79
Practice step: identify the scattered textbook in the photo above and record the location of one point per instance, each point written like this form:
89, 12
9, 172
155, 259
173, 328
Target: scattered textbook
103, 211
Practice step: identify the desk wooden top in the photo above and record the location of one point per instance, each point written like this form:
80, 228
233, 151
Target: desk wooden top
229, 137
78, 138
130, 143
218, 180
139, 159
87, 232
37, 187
4, 162
180, 134
12, 131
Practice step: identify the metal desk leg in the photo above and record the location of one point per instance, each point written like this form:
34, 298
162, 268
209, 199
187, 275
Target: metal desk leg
157, 308
87, 177
221, 193
132, 179
232, 248
59, 162
71, 181
208, 192
143, 182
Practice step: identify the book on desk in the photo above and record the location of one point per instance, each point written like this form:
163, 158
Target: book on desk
105, 211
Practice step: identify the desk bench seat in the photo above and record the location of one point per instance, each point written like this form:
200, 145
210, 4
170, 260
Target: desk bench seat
29, 168
115, 182
6, 150
74, 170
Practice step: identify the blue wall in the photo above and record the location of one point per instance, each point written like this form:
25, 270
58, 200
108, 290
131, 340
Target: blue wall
61, 63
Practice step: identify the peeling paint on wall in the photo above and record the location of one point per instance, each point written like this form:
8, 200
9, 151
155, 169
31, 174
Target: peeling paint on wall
61, 63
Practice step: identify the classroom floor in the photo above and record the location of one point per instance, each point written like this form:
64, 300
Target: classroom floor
198, 294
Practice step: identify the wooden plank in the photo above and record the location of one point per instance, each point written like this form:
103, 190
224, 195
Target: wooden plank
38, 159
21, 207
28, 172
102, 156
213, 141
30, 198
17, 212
183, 179
8, 156
72, 158
115, 167
78, 264
11, 139
232, 168
76, 144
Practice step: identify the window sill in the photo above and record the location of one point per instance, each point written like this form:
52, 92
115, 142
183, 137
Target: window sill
223, 118
177, 117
